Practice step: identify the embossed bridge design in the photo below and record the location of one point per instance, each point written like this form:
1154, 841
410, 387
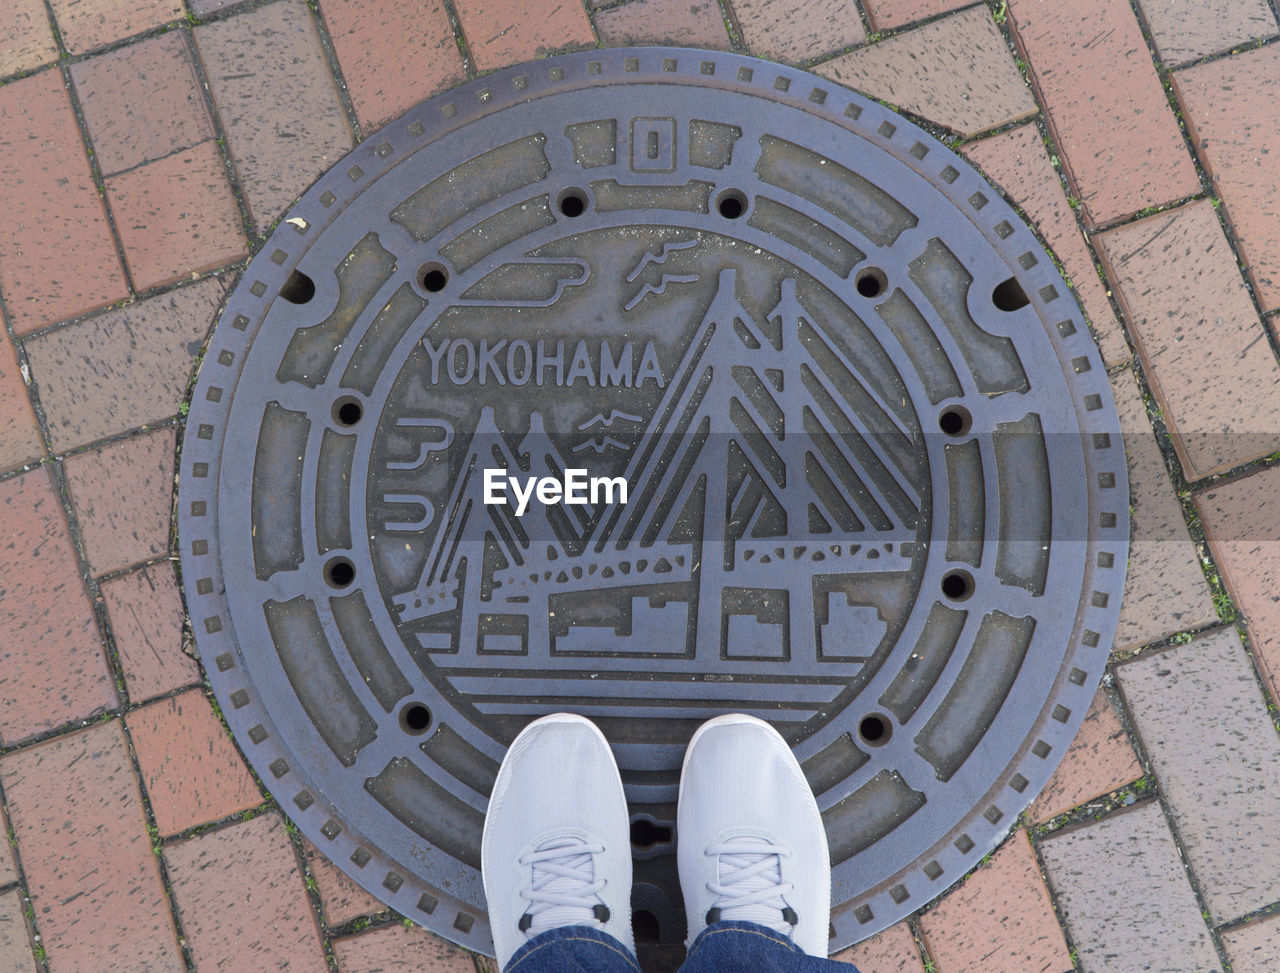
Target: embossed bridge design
876, 487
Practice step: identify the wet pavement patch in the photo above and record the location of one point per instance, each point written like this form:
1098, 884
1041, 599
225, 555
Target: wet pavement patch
653, 384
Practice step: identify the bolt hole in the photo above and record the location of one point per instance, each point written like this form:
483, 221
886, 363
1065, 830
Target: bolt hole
644, 925
572, 203
875, 730
339, 573
645, 834
957, 585
955, 420
415, 718
432, 277
299, 288
871, 282
1009, 295
347, 411
731, 204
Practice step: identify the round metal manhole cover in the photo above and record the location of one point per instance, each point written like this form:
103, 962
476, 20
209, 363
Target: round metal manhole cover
653, 384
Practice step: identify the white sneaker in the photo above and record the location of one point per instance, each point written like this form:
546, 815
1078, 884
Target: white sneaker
557, 849
751, 843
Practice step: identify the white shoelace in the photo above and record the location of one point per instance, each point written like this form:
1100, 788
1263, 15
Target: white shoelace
750, 886
564, 890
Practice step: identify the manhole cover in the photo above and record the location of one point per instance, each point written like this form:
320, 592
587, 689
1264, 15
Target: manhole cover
875, 487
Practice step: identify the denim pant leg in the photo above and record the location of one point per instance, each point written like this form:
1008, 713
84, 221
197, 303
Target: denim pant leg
572, 949
744, 947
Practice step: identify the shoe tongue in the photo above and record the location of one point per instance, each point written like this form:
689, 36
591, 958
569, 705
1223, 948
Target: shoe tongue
762, 913
547, 916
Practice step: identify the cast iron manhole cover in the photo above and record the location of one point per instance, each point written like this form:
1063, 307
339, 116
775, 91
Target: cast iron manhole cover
876, 490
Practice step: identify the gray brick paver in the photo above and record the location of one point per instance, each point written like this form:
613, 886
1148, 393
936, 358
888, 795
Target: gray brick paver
956, 72
1125, 898
15, 945
1165, 590
1255, 947
1212, 744
277, 100
124, 368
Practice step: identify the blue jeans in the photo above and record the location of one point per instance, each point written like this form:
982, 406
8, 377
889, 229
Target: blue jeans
725, 947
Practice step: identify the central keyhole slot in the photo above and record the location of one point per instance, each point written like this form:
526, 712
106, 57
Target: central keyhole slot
645, 834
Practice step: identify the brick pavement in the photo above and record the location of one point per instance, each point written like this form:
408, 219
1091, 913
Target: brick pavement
147, 146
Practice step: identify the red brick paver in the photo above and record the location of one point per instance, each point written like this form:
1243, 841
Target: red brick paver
1206, 353
52, 669
1164, 590
798, 30
189, 766
15, 941
1240, 521
1186, 30
26, 41
1254, 948
392, 55
277, 100
202, 8
501, 32
886, 14
687, 23
1000, 919
1018, 162
1119, 138
176, 216
145, 611
19, 433
1214, 748
86, 26
1099, 760
1124, 895
57, 256
341, 899
94, 881
394, 947
124, 368
242, 901
141, 102
122, 494
957, 72
891, 951
1230, 106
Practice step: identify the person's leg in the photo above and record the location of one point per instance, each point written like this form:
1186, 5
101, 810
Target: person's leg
747, 947
556, 853
753, 859
572, 949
